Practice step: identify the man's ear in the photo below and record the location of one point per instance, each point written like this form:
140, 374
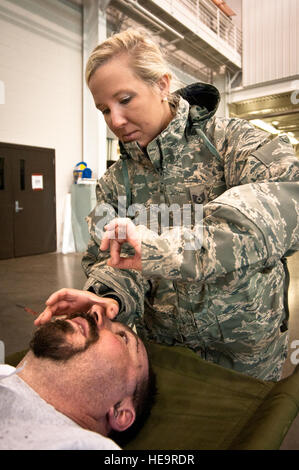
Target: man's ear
122, 416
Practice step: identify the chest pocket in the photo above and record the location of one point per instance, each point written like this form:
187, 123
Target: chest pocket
198, 194
203, 193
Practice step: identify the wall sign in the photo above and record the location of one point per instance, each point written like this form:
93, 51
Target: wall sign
37, 182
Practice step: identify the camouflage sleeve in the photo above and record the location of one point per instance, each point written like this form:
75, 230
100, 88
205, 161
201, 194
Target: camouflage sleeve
250, 226
249, 155
128, 286
245, 228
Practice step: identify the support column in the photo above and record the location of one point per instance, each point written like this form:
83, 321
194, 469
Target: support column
220, 82
94, 126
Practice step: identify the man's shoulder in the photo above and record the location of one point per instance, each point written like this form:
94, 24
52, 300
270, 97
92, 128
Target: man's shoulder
6, 370
29, 422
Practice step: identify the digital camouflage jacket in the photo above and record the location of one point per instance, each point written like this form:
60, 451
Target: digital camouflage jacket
223, 296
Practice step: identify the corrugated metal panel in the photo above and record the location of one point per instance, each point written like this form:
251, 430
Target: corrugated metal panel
270, 40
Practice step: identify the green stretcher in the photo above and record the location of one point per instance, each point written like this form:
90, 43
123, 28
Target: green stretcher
202, 406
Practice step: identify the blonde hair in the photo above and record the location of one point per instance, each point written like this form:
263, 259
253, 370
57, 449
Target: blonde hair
145, 56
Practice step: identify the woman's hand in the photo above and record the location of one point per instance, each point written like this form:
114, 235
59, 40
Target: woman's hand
68, 301
119, 231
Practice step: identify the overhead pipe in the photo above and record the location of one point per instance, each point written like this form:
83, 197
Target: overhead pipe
133, 4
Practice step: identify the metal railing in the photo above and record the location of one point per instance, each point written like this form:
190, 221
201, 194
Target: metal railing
203, 12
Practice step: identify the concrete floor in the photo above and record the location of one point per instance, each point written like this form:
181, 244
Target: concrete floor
30, 280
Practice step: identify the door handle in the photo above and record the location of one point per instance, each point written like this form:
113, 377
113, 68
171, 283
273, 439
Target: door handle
17, 207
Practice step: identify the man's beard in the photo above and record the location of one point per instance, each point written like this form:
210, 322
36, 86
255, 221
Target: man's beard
50, 342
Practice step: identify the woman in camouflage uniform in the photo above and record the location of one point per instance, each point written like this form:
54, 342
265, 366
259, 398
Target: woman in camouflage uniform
216, 284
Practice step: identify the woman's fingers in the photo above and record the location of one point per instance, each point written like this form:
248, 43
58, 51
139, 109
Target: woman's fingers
44, 317
69, 301
119, 231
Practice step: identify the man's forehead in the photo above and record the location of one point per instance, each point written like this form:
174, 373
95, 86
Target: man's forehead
141, 349
130, 330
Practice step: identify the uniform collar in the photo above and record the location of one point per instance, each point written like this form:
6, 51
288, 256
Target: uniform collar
169, 136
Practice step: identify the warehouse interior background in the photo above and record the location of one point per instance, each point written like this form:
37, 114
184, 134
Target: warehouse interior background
249, 49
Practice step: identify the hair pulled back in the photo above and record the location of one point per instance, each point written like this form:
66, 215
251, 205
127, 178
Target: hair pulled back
145, 56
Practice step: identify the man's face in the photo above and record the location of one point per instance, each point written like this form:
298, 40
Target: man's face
109, 349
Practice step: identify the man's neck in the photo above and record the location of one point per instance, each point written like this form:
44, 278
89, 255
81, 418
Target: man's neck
52, 383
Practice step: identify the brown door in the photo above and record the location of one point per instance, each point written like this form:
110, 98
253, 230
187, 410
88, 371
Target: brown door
27, 200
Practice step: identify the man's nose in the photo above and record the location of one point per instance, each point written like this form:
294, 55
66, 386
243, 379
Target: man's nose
99, 315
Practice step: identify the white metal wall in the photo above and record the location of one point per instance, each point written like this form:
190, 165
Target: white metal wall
41, 68
270, 40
